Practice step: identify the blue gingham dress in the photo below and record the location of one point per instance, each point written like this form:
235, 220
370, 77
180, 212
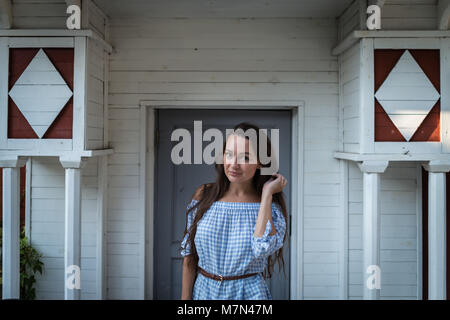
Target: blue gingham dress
226, 246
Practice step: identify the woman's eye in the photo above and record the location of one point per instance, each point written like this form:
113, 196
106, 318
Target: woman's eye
242, 157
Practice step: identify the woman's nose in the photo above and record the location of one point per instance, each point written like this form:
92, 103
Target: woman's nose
233, 162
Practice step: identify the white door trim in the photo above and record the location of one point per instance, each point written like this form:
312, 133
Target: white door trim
419, 220
147, 180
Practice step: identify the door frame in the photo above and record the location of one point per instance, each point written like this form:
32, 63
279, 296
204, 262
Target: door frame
147, 181
423, 235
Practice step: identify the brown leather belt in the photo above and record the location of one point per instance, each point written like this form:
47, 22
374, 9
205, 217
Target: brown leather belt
221, 278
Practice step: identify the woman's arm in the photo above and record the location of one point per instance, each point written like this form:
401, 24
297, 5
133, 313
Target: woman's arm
188, 279
265, 213
189, 272
265, 210
270, 225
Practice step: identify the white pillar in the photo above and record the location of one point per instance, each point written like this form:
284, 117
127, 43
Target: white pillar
72, 227
371, 228
11, 227
437, 251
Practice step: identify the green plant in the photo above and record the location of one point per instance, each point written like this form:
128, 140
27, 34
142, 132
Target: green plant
30, 265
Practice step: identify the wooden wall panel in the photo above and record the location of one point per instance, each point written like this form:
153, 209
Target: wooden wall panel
62, 59
428, 60
430, 129
385, 130
18, 126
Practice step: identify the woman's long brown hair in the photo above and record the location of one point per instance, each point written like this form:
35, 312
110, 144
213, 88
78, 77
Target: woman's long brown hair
212, 192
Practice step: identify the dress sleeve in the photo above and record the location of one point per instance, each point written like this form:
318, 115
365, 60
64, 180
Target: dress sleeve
187, 251
266, 245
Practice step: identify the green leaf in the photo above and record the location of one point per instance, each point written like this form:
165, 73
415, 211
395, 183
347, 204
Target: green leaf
30, 265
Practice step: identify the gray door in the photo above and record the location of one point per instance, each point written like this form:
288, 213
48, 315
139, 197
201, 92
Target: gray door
175, 185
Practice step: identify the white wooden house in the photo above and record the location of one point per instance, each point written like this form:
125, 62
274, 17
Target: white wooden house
368, 144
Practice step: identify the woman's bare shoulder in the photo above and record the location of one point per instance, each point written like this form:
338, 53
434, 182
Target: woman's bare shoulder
199, 192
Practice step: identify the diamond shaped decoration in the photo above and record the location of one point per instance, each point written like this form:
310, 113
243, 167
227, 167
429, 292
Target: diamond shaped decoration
407, 95
40, 93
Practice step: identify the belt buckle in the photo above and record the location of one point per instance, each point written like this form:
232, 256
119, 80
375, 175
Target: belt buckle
220, 278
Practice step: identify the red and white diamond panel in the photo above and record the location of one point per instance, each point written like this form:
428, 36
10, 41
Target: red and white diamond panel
407, 95
40, 93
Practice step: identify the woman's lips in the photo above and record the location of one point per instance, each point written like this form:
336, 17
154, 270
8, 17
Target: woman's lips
234, 174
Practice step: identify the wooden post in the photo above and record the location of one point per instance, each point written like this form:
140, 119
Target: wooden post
437, 251
72, 227
11, 227
371, 228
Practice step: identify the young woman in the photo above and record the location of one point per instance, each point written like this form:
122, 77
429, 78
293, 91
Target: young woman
234, 226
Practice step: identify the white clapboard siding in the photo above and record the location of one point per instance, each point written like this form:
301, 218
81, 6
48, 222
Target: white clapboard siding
51, 14
398, 245
349, 20
96, 19
225, 59
349, 63
95, 96
47, 226
395, 15
39, 14
409, 15
123, 223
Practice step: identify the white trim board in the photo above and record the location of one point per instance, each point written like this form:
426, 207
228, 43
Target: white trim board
79, 94
344, 232
28, 175
101, 236
56, 153
40, 42
445, 95
144, 263
4, 80
367, 97
34, 33
356, 35
419, 244
147, 179
408, 147
406, 43
390, 157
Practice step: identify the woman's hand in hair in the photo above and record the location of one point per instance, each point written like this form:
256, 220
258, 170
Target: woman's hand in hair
275, 184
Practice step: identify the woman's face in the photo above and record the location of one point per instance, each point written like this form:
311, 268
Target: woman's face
237, 157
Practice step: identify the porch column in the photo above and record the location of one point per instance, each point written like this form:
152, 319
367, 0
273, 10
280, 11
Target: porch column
371, 228
436, 229
11, 227
72, 227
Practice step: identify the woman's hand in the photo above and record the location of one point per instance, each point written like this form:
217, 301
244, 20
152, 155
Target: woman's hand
275, 184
